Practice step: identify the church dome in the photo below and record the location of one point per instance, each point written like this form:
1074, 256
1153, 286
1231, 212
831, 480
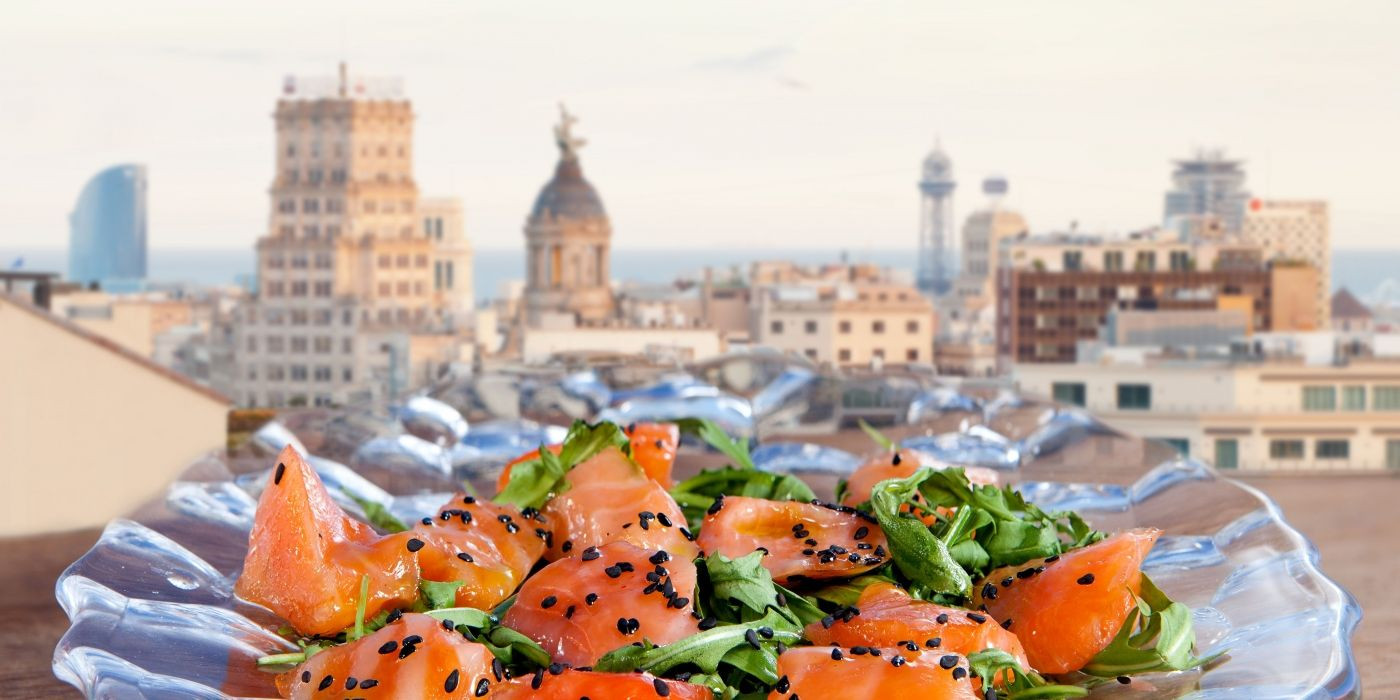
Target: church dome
568, 195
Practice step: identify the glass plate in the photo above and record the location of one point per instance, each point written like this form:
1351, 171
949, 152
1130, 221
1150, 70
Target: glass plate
153, 613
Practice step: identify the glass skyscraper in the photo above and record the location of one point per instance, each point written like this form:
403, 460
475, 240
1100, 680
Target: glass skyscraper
107, 243
1206, 187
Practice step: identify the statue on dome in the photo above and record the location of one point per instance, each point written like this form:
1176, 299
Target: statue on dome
564, 136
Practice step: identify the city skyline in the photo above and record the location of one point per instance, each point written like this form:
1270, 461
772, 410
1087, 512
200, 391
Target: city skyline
718, 124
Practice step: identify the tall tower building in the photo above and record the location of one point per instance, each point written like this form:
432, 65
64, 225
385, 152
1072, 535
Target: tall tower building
982, 235
1208, 190
346, 268
1295, 231
936, 223
107, 238
444, 224
568, 239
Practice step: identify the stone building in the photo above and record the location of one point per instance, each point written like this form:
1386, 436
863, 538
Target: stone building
568, 238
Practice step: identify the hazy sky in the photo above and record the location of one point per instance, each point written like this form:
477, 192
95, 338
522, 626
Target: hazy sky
769, 124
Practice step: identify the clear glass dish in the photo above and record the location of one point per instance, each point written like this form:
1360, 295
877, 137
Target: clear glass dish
153, 614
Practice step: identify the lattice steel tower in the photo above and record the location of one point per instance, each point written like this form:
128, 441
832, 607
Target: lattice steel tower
936, 223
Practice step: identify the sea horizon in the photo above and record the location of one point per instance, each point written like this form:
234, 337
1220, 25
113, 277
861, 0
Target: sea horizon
1360, 270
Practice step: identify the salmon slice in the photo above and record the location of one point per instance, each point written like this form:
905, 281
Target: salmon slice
489, 547
900, 464
413, 657
1066, 609
653, 447
608, 499
890, 617
582, 607
306, 556
833, 673
571, 684
803, 540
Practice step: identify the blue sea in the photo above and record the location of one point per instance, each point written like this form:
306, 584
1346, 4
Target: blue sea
1361, 271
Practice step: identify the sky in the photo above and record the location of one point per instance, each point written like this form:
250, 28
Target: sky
716, 124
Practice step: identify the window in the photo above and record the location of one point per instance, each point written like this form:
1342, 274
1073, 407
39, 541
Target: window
1285, 449
1227, 453
1332, 449
1146, 261
1353, 398
322, 373
275, 262
347, 345
912, 354
322, 317
1113, 261
1136, 397
1088, 293
401, 261
811, 353
878, 353
1385, 398
276, 373
877, 327
810, 327
385, 289
775, 327
323, 289
298, 373
1181, 445
275, 344
298, 344
1180, 261
844, 327
275, 289
383, 261
402, 288
844, 355
298, 289
1073, 260
1068, 392
347, 374
420, 261
321, 344
1319, 398
911, 326
1392, 454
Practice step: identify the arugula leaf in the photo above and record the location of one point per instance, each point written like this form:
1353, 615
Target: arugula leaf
359, 629
377, 514
742, 590
916, 552
877, 436
439, 594
1156, 636
1018, 683
511, 647
295, 658
696, 494
707, 650
533, 481
714, 436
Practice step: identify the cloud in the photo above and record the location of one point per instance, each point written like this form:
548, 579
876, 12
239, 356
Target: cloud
756, 61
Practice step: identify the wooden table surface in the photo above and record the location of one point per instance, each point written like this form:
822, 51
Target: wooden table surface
1348, 518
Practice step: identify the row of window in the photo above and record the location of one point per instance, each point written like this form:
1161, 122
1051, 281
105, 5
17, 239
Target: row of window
320, 344
1144, 261
1227, 451
810, 327
401, 288
313, 231
1131, 397
338, 150
337, 176
312, 205
301, 373
320, 261
277, 398
298, 288
301, 317
1353, 398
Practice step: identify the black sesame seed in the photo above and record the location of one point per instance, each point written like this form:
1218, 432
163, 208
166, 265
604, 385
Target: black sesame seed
751, 637
613, 571
1006, 624
828, 621
661, 557
406, 650
896, 459
933, 643
664, 519
783, 685
591, 598
708, 623
861, 532
835, 654
465, 557
942, 618
548, 602
281, 469
948, 660
569, 612
679, 602
979, 619
555, 668
305, 676
1052, 560
959, 673
498, 670
537, 680
450, 684
989, 592
1006, 582
326, 682
389, 647
414, 544
781, 600
1085, 580
368, 683
1124, 680
483, 687
661, 688
412, 639
714, 507
859, 650
393, 617
567, 546
591, 553
897, 661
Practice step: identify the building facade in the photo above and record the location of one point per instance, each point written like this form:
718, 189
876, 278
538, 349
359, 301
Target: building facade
346, 271
1055, 293
444, 223
1280, 414
568, 240
1295, 231
107, 239
847, 324
1208, 189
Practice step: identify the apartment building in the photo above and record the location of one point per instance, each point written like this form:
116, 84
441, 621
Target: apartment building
1298, 231
351, 270
1250, 413
1054, 292
849, 323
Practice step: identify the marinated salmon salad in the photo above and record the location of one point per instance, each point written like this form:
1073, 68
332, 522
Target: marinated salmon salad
592, 573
